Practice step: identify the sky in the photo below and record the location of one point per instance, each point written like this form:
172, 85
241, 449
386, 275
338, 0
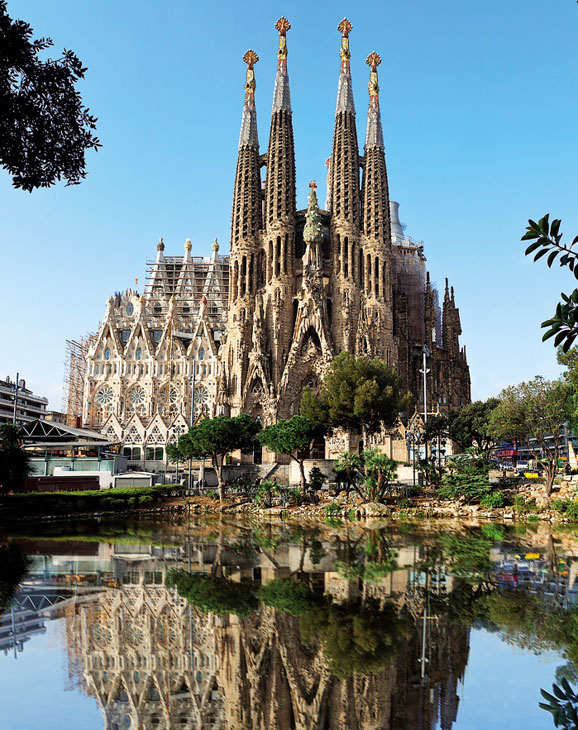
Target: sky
479, 105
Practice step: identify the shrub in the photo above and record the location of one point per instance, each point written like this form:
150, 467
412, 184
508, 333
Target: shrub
493, 500
560, 505
572, 509
316, 478
473, 488
287, 595
404, 503
333, 510
212, 494
133, 501
265, 492
215, 595
145, 500
523, 505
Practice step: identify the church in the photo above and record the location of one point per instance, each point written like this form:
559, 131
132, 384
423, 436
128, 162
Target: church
251, 330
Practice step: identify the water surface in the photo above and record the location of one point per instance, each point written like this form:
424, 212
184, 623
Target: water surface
238, 625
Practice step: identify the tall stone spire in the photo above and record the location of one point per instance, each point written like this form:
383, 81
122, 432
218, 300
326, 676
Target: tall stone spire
375, 191
280, 198
344, 173
246, 220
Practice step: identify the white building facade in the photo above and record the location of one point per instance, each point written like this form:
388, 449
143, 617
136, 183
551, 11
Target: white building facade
153, 366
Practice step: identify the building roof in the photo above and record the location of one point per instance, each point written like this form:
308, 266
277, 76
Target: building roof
53, 432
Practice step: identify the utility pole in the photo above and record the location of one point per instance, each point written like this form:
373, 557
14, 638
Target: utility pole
16, 398
425, 371
192, 422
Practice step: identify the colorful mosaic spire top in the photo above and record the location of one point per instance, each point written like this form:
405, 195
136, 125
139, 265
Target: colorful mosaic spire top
373, 61
282, 25
345, 28
250, 59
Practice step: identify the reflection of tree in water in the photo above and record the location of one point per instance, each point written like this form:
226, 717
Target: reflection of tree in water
13, 566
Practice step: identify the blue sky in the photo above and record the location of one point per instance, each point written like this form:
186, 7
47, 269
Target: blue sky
479, 105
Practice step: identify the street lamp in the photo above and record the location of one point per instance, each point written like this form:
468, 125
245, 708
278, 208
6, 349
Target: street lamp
413, 439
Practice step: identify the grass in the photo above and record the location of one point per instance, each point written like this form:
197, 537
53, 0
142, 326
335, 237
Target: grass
94, 500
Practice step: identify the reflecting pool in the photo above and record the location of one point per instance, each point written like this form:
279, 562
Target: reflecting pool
238, 625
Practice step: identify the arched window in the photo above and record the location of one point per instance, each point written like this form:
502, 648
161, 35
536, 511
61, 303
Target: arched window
107, 353
138, 353
202, 353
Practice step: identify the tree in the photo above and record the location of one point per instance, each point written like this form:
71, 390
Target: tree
547, 239
14, 460
214, 438
44, 128
294, 437
357, 394
369, 473
469, 426
570, 360
534, 412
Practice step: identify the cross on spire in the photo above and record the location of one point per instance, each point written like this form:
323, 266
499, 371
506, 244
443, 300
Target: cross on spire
282, 25
344, 28
313, 185
373, 61
250, 58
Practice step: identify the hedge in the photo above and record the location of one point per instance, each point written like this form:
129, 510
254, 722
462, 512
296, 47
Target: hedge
90, 501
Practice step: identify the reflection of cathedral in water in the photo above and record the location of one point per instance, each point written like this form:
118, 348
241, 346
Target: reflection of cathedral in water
153, 662
149, 659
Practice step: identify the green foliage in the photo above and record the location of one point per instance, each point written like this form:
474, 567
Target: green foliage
289, 436
265, 492
212, 494
216, 437
404, 503
14, 460
316, 478
380, 471
468, 556
467, 477
44, 128
357, 394
535, 412
89, 500
333, 510
547, 239
356, 638
287, 595
349, 465
145, 500
213, 595
495, 533
493, 500
563, 705
470, 425
560, 505
13, 566
522, 505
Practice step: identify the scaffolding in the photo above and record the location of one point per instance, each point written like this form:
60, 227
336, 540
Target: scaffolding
74, 373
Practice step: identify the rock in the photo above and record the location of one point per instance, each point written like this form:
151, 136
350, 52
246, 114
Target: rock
373, 509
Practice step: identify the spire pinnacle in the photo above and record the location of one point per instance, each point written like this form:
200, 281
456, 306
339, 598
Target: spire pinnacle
313, 230
281, 95
374, 133
250, 59
344, 89
345, 28
249, 134
373, 61
282, 25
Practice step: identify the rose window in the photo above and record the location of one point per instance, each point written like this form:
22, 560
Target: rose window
201, 400
136, 400
104, 396
101, 635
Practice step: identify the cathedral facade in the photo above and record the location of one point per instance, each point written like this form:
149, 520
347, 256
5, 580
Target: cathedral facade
306, 285
247, 332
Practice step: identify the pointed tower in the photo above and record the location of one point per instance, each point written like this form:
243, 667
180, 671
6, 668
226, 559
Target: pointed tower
344, 204
276, 262
375, 259
245, 242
